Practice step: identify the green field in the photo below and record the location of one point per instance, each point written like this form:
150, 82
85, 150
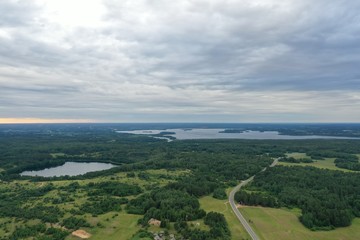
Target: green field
123, 226
279, 224
209, 204
327, 163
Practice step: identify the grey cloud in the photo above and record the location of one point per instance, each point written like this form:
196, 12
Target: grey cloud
195, 56
24, 51
197, 51
17, 13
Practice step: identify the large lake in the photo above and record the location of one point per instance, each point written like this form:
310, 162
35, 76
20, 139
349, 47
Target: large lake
70, 169
216, 133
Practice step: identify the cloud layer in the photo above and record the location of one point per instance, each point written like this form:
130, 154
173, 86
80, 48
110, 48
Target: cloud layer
211, 61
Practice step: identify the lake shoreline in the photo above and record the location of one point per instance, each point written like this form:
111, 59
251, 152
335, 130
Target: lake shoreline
223, 133
71, 168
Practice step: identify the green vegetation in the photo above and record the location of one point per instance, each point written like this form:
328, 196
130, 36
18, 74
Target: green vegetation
181, 183
101, 205
219, 193
350, 162
218, 228
209, 204
166, 204
327, 163
114, 227
276, 223
112, 189
75, 223
328, 199
295, 160
324, 163
39, 231
72, 204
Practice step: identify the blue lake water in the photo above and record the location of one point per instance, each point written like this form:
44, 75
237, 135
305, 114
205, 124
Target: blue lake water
70, 169
215, 133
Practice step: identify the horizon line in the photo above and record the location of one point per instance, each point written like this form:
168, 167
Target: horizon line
15, 121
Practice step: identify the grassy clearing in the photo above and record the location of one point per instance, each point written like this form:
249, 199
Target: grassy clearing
9, 225
121, 227
199, 224
209, 204
278, 224
327, 163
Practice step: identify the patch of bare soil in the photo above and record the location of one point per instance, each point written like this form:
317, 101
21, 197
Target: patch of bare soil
81, 234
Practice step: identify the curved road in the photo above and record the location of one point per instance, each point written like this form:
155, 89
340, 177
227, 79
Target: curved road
237, 212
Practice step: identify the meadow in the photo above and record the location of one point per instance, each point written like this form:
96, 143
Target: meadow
275, 224
327, 163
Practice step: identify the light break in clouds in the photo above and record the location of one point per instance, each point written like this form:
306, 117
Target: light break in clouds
161, 61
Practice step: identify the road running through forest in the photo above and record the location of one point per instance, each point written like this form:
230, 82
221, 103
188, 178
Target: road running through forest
241, 218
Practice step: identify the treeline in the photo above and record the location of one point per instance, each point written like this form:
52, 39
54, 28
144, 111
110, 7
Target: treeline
349, 162
38, 165
295, 160
338, 130
328, 199
332, 153
255, 199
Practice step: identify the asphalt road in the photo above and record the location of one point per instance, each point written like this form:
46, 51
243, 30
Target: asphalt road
237, 212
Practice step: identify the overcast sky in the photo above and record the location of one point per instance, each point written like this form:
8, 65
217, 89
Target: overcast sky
180, 61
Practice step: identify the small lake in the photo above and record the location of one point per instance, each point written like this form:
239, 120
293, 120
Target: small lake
217, 133
70, 169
